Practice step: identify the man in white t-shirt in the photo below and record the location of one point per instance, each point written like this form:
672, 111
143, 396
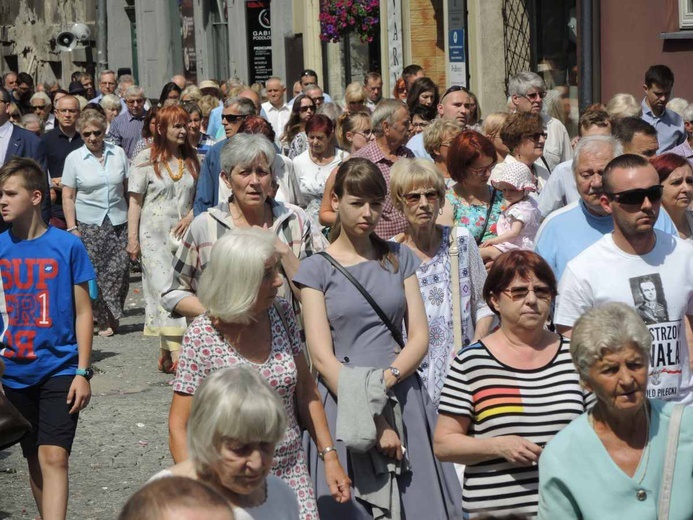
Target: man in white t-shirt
639, 266
278, 112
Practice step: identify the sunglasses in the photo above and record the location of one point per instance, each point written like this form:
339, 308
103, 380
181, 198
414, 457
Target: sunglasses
95, 133
414, 198
38, 107
535, 95
454, 88
306, 109
231, 118
535, 137
317, 99
309, 72
637, 196
520, 293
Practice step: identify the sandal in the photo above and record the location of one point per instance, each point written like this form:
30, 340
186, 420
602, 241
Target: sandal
165, 365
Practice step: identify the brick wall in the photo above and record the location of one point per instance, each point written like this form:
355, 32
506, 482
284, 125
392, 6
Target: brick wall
427, 39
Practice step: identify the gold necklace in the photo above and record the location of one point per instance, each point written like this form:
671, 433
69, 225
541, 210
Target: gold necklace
181, 170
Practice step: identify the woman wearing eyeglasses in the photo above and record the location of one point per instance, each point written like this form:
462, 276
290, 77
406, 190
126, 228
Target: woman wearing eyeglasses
354, 131
94, 185
524, 134
507, 395
294, 140
418, 191
473, 204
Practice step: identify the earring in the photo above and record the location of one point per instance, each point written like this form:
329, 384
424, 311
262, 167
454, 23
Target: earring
440, 211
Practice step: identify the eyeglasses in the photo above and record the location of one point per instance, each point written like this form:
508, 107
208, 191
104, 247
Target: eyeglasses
535, 137
414, 198
95, 133
637, 196
483, 170
520, 293
38, 107
306, 109
535, 95
366, 134
232, 118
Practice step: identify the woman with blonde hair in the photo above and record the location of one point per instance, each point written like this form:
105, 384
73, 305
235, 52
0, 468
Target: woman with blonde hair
355, 97
437, 139
247, 325
161, 188
491, 128
623, 105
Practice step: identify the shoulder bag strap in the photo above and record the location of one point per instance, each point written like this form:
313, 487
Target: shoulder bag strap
669, 462
279, 310
455, 276
395, 333
546, 164
488, 215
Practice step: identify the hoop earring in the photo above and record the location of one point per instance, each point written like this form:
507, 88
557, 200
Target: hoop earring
440, 211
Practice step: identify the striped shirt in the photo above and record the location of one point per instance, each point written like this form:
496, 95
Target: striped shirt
126, 132
499, 400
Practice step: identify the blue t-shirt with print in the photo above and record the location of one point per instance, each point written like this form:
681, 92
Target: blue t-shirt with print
37, 307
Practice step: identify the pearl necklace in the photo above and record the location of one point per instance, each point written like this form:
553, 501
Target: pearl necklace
181, 170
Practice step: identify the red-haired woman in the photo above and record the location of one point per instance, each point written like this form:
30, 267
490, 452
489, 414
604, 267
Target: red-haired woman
473, 204
676, 175
161, 189
507, 395
313, 166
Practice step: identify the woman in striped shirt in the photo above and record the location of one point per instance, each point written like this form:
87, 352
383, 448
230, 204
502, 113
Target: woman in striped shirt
507, 395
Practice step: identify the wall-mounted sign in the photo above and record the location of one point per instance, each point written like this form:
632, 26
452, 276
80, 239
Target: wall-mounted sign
259, 36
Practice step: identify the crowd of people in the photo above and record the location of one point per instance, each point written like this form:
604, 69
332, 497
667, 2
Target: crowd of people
371, 307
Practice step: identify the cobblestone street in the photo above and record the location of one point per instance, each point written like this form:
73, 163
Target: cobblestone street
122, 437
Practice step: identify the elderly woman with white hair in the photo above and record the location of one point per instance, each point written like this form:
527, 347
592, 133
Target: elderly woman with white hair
455, 307
112, 105
94, 185
247, 325
246, 161
617, 460
236, 422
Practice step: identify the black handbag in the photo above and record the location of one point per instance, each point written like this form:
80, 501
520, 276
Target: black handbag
13, 425
396, 333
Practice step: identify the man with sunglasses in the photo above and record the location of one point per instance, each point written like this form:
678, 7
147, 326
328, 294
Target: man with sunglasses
236, 110
527, 92
456, 104
59, 142
567, 232
41, 106
635, 257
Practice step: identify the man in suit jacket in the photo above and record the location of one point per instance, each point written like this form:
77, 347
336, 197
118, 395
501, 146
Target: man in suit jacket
17, 142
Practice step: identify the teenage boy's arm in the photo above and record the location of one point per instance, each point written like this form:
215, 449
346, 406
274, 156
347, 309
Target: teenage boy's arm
80, 390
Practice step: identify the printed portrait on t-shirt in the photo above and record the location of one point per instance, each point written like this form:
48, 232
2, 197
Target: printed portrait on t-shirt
649, 298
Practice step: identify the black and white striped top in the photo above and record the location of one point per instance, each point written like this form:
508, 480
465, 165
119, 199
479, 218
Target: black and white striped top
500, 400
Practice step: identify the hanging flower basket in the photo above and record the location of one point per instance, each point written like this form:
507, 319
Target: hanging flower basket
339, 17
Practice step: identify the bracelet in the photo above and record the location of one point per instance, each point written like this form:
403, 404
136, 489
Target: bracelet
324, 452
71, 229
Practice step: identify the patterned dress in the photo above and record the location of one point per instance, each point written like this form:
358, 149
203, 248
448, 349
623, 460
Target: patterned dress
164, 202
205, 350
474, 217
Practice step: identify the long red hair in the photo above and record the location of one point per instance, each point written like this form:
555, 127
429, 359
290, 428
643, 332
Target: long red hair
160, 153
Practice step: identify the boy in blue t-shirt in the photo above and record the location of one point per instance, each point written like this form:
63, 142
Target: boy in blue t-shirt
46, 330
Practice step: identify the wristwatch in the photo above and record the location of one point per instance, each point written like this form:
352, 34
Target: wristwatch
86, 373
395, 372
324, 452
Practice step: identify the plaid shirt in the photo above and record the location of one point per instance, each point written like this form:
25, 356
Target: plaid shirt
291, 225
392, 221
126, 131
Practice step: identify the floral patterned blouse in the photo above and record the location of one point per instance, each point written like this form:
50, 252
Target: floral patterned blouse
473, 217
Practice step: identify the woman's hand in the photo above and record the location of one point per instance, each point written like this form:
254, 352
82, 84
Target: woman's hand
388, 442
182, 225
517, 450
488, 243
133, 248
337, 479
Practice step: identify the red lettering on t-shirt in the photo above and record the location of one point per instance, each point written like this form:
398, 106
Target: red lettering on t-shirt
21, 273
21, 346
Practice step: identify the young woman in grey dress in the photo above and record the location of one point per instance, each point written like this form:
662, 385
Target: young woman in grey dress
343, 331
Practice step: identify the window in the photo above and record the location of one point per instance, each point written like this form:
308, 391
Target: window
686, 14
